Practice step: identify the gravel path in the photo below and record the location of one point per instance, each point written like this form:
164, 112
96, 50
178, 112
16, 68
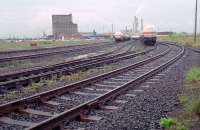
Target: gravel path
144, 111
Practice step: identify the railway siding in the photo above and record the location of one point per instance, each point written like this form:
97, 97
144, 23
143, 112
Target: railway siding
27, 77
157, 64
20, 55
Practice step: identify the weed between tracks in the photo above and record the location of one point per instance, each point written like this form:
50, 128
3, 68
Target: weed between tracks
54, 82
11, 66
14, 64
190, 100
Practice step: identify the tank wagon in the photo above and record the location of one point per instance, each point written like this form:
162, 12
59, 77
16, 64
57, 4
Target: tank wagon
120, 37
149, 35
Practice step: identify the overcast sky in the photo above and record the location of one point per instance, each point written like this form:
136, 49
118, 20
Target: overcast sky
32, 17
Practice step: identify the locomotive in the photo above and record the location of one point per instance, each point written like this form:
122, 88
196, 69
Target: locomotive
149, 35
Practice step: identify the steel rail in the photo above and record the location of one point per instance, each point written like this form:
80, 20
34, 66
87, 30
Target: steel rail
54, 66
55, 121
49, 67
46, 48
191, 48
4, 108
57, 65
28, 56
194, 49
26, 72
81, 65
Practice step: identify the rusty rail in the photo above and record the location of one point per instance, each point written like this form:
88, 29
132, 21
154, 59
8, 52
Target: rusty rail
68, 67
58, 91
28, 56
55, 121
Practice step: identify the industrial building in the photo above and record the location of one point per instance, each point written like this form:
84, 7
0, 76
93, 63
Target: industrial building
63, 26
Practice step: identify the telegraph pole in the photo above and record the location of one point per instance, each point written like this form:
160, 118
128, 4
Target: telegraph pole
142, 24
112, 28
195, 28
135, 24
126, 29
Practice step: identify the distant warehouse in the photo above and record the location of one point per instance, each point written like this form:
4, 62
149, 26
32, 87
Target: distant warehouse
63, 26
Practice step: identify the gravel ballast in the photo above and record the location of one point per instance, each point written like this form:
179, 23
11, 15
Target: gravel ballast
143, 112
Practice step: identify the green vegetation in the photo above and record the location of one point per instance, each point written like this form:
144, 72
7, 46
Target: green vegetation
190, 100
190, 96
167, 122
171, 124
182, 39
48, 84
193, 75
23, 45
15, 64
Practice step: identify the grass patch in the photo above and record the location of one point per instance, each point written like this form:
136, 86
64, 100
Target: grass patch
193, 75
190, 100
24, 45
171, 124
15, 64
182, 39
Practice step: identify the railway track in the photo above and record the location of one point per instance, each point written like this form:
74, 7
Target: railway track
195, 50
20, 65
191, 48
24, 78
49, 110
20, 55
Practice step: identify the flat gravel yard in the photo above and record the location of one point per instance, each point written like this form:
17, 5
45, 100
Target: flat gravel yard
143, 112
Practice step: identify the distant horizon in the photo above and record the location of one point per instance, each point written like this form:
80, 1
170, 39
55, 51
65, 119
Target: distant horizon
79, 32
40, 35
